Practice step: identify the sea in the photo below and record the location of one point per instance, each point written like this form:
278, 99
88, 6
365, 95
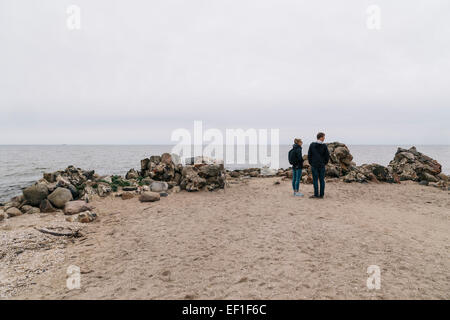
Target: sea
21, 165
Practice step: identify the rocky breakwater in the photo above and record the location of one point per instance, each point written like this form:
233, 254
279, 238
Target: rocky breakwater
408, 164
69, 191
56, 192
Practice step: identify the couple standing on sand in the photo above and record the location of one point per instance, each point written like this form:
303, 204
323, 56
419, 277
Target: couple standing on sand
318, 157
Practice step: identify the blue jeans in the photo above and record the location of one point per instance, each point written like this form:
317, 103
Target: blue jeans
318, 176
296, 176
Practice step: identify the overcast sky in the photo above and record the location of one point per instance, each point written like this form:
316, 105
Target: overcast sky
137, 70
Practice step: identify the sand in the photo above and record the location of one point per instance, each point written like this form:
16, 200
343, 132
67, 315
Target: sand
253, 240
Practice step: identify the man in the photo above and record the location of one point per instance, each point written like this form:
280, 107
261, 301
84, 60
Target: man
296, 160
318, 157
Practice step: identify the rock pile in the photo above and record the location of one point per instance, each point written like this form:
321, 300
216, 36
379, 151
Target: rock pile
200, 174
54, 192
341, 160
410, 164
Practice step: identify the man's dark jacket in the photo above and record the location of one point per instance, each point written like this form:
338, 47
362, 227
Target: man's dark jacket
318, 155
298, 156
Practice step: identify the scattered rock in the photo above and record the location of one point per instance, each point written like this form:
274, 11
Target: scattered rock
77, 206
13, 212
127, 195
60, 197
254, 174
424, 183
83, 217
129, 188
235, 174
46, 206
33, 210
149, 196
25, 208
163, 194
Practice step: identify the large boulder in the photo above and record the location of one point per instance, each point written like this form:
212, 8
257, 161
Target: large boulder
149, 196
35, 194
60, 197
77, 206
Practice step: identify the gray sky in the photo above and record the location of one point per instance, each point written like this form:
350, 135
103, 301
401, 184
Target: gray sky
137, 70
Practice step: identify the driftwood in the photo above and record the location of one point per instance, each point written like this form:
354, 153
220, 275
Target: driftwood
72, 234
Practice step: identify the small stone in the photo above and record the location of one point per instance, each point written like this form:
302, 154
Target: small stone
129, 188
25, 208
127, 196
74, 207
254, 174
46, 206
33, 210
235, 174
149, 196
13, 212
83, 217
86, 217
163, 194
424, 183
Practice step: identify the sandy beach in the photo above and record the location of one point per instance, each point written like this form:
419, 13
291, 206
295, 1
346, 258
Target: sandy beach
253, 240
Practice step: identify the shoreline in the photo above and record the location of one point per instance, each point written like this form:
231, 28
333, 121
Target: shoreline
146, 235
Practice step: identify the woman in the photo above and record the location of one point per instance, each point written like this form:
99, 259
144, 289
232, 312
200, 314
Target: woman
296, 160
